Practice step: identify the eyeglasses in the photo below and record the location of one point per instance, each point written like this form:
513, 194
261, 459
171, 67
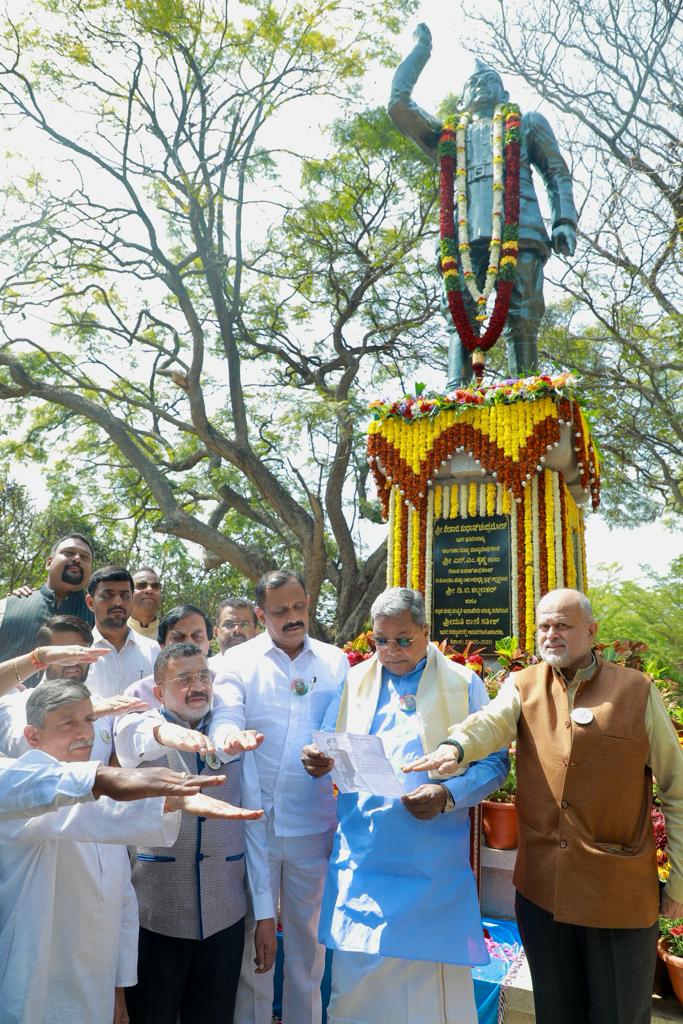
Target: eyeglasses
186, 679
145, 584
232, 624
401, 641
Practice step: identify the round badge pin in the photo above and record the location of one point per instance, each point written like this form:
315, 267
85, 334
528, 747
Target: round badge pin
106, 735
299, 687
213, 761
407, 703
582, 716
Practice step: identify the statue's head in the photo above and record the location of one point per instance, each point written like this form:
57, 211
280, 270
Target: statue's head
484, 89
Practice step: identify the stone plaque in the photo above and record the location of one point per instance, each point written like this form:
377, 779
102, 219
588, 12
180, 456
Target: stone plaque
471, 581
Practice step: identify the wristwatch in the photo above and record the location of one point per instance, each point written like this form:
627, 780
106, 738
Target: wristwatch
458, 747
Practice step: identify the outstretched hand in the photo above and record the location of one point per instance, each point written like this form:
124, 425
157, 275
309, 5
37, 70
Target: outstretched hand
119, 704
70, 654
178, 737
203, 806
245, 739
443, 761
139, 783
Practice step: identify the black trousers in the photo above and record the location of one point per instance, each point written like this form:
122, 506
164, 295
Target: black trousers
587, 975
196, 978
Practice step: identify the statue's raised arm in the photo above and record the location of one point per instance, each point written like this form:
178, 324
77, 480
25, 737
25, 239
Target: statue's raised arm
410, 119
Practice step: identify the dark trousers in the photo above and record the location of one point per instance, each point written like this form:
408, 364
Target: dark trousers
587, 975
196, 978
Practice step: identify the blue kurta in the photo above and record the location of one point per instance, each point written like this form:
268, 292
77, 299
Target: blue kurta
398, 886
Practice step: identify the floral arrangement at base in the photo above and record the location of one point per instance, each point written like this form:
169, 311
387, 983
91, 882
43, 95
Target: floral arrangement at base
507, 429
672, 930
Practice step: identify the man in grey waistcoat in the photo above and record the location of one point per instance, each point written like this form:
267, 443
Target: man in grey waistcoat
483, 92
192, 898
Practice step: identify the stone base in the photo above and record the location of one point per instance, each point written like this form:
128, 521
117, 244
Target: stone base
497, 891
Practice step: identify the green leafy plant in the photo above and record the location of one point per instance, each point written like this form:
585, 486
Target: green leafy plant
508, 791
671, 929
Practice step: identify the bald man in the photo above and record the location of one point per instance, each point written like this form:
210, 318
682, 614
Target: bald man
590, 735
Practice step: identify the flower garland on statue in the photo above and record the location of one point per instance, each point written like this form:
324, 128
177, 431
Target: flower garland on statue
501, 268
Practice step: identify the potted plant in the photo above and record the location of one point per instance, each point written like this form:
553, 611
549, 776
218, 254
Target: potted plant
499, 814
670, 950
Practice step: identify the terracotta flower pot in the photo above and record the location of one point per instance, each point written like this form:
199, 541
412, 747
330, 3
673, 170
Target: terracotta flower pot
674, 965
499, 822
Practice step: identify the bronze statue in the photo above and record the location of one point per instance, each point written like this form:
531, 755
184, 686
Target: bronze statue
483, 92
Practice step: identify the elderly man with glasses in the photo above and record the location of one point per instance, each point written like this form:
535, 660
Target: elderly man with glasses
399, 876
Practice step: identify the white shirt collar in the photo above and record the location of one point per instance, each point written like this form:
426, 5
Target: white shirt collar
269, 645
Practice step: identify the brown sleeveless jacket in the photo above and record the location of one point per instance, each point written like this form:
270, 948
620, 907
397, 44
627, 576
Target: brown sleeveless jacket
586, 846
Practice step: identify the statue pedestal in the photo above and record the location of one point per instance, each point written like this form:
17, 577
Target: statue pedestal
483, 490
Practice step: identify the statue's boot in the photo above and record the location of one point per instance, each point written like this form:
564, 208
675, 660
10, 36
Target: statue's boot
460, 371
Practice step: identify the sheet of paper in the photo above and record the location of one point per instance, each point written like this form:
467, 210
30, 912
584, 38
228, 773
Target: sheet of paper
359, 763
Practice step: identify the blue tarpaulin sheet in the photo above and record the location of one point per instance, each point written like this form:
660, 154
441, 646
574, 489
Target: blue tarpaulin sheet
504, 947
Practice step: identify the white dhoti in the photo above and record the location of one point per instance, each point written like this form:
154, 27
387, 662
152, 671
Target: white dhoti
387, 990
298, 865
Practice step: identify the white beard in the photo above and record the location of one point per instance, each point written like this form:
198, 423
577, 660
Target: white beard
556, 660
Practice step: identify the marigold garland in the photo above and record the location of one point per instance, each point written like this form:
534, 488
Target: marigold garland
502, 263
409, 440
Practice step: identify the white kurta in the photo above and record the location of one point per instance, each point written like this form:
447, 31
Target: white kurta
68, 916
35, 785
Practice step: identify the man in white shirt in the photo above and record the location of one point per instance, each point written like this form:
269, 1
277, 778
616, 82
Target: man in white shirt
287, 681
68, 913
110, 597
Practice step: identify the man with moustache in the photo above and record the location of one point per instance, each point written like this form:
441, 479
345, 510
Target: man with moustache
236, 623
188, 624
192, 897
68, 914
131, 657
590, 736
287, 680
68, 570
144, 613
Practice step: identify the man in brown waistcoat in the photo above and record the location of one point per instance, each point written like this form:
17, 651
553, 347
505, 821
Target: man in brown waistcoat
590, 735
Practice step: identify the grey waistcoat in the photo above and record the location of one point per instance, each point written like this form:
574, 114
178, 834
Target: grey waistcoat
196, 887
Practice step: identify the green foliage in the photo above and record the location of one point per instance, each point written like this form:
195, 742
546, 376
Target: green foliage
631, 377
649, 612
507, 792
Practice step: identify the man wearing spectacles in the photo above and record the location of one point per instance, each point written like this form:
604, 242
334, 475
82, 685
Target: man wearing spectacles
192, 898
236, 622
399, 872
144, 615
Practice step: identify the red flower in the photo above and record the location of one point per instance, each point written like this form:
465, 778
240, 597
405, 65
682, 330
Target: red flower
355, 657
678, 930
